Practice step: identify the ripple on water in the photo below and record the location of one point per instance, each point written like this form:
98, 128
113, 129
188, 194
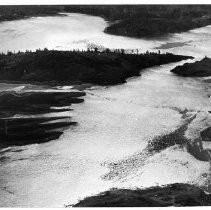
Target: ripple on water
115, 123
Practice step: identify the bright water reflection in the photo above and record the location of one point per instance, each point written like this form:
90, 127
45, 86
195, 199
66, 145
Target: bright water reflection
115, 123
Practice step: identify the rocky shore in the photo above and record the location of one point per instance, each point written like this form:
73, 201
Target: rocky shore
169, 195
200, 68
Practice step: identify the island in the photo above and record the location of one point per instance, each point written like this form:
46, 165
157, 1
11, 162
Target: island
200, 68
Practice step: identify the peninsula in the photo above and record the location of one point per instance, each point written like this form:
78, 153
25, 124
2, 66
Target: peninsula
126, 20
70, 67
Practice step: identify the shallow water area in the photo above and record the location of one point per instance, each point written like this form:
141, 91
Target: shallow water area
115, 124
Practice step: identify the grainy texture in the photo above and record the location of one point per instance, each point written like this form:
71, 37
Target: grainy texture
198, 69
170, 195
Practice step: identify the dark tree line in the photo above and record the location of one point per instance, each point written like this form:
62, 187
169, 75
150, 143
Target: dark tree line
129, 20
104, 68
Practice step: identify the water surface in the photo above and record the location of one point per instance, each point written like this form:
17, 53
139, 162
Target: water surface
115, 123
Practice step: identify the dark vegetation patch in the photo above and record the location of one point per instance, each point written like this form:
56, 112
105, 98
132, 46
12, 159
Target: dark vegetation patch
149, 20
25, 130
122, 168
36, 102
102, 68
127, 20
60, 67
169, 195
155, 27
19, 11
197, 69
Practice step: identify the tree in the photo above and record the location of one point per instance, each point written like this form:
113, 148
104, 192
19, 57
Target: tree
122, 51
107, 50
96, 49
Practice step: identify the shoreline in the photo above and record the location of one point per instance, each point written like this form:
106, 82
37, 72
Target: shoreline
78, 69
96, 67
176, 195
32, 16
131, 23
81, 70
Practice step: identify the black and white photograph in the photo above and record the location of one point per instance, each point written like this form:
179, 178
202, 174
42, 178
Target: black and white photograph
105, 104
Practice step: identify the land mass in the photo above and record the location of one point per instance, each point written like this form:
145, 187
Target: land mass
126, 20
200, 68
30, 126
59, 67
8, 13
149, 20
169, 195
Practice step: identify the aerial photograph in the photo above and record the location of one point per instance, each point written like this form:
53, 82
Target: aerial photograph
105, 105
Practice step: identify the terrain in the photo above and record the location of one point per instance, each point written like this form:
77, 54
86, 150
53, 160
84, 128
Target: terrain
56, 68
126, 20
101, 68
200, 68
169, 195
22, 119
24, 115
149, 20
